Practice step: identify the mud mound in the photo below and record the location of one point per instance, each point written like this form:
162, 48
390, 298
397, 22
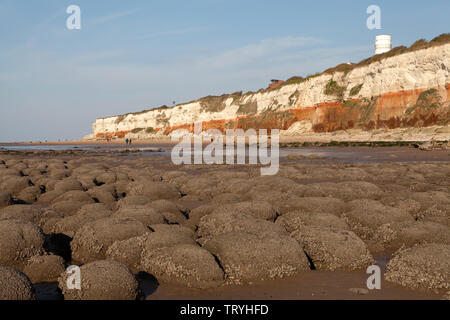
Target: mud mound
153, 189
314, 204
392, 236
237, 186
5, 199
165, 206
19, 241
187, 265
293, 221
108, 177
67, 208
225, 198
423, 266
49, 196
281, 184
128, 252
77, 196
87, 213
145, 214
174, 228
69, 184
249, 257
172, 213
439, 213
166, 238
258, 209
133, 201
365, 216
9, 172
70, 225
204, 188
221, 222
196, 214
431, 198
45, 268
21, 212
93, 239
103, 194
95, 210
333, 249
102, 280
15, 285
409, 205
346, 191
59, 174
14, 185
30, 194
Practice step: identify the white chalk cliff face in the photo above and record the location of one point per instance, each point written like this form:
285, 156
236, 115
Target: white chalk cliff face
411, 89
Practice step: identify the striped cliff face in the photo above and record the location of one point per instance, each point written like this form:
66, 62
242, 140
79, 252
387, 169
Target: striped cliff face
385, 111
408, 90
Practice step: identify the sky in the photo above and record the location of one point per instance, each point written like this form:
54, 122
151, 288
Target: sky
135, 55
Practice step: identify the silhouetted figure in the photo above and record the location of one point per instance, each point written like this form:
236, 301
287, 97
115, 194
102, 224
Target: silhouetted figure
126, 141
130, 141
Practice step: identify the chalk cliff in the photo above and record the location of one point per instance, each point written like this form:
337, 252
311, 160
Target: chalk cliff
407, 87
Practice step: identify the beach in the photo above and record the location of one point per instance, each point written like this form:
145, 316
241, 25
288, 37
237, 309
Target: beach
330, 213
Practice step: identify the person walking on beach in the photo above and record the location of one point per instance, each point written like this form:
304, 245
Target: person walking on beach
130, 141
126, 141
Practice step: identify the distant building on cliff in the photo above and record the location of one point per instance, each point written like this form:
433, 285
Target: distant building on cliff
275, 83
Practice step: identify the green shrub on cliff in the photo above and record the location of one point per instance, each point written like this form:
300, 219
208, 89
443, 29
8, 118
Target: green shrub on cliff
137, 130
333, 89
351, 104
251, 107
120, 119
427, 100
356, 89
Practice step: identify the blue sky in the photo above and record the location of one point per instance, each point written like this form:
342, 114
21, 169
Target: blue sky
139, 54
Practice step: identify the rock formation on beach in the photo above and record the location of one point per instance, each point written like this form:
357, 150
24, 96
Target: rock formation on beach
403, 88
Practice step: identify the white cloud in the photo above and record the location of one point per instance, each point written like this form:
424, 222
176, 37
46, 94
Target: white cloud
114, 16
257, 52
172, 32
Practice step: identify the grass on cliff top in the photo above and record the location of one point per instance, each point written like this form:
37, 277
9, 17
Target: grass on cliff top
213, 103
217, 103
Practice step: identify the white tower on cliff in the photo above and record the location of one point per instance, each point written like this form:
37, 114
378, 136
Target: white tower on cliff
383, 44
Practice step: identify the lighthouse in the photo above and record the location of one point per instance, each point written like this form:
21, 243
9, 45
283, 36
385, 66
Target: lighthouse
383, 44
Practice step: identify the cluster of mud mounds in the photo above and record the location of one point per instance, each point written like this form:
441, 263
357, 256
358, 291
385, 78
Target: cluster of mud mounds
206, 227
